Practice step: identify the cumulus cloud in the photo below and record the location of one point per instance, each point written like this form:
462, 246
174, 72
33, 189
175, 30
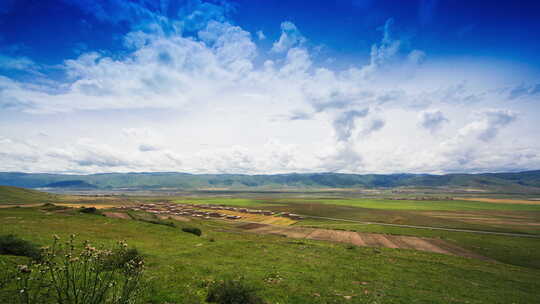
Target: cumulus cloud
373, 126
489, 123
260, 35
345, 123
342, 158
15, 63
299, 115
432, 120
217, 104
290, 37
523, 91
148, 148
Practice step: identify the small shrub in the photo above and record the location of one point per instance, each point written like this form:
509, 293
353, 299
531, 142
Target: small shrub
69, 274
90, 210
11, 244
233, 291
192, 230
120, 258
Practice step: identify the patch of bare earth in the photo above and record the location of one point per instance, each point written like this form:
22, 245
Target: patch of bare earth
363, 239
174, 217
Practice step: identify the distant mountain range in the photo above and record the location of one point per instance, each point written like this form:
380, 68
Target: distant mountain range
521, 181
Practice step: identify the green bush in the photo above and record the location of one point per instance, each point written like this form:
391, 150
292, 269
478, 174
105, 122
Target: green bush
69, 274
90, 210
154, 220
233, 291
158, 222
192, 230
119, 258
11, 244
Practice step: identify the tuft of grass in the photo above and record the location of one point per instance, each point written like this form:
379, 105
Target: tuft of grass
13, 245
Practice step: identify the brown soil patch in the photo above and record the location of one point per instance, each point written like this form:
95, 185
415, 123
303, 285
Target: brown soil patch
174, 217
119, 215
362, 239
250, 226
499, 200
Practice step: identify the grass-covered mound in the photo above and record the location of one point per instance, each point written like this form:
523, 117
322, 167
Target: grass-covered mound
15, 195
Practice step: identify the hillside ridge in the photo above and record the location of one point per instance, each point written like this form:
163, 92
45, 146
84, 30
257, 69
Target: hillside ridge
515, 181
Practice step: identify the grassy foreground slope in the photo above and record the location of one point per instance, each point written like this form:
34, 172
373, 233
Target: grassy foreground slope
15, 195
180, 265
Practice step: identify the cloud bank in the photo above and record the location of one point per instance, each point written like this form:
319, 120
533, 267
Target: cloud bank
192, 91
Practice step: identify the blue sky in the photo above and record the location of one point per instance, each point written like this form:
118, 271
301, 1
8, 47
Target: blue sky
269, 86
51, 31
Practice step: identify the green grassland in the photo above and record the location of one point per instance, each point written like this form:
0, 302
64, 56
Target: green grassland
288, 271
397, 211
180, 265
520, 251
434, 205
384, 204
15, 195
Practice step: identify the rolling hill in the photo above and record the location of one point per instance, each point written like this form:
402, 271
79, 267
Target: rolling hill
528, 181
15, 195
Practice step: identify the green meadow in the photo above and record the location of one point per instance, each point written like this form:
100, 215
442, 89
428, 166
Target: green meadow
181, 266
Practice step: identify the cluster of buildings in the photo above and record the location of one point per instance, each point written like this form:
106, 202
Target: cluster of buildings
422, 198
251, 211
209, 211
181, 210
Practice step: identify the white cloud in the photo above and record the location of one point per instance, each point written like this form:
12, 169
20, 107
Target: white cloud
290, 37
15, 63
345, 123
488, 124
261, 35
208, 102
432, 120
